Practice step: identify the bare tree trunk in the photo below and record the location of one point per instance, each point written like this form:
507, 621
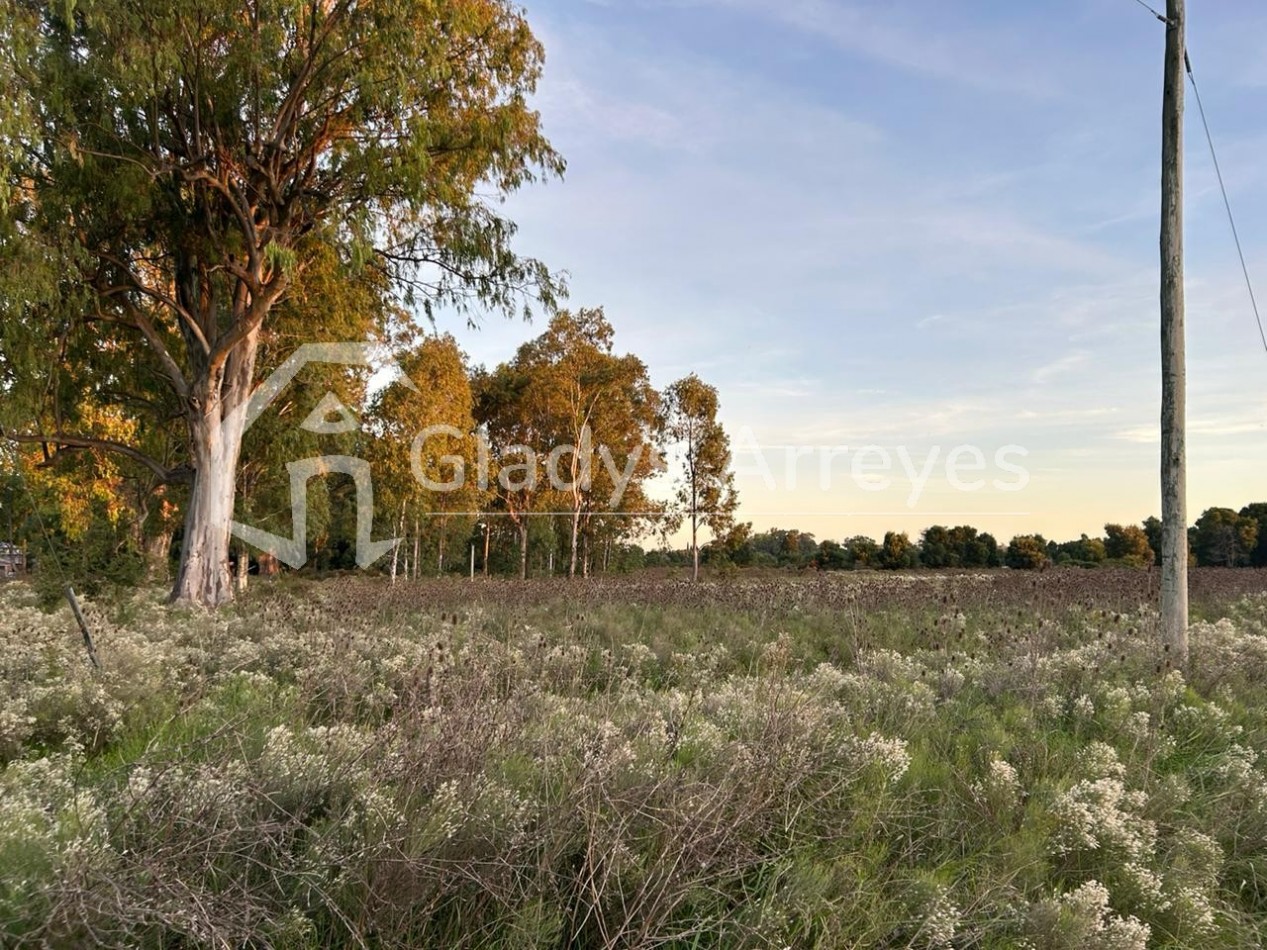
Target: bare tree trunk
244, 567
216, 418
440, 548
1174, 543
216, 443
396, 550
694, 546
157, 554
576, 527
487, 530
523, 549
418, 551
153, 547
268, 563
694, 478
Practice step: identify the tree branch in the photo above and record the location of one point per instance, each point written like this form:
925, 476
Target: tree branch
61, 440
157, 295
141, 322
247, 325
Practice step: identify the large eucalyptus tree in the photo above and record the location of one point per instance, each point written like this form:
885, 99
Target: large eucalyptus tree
167, 165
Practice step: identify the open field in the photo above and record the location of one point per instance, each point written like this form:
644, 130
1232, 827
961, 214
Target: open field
1000, 759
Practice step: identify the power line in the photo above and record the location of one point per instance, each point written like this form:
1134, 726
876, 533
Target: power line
1152, 11
1226, 203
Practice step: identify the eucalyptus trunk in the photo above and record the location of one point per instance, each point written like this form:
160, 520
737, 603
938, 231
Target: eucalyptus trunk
440, 548
215, 444
400, 529
575, 538
244, 567
157, 552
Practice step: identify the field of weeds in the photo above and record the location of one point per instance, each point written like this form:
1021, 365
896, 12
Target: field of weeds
976, 760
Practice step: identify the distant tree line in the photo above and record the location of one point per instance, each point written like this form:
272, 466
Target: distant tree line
1221, 537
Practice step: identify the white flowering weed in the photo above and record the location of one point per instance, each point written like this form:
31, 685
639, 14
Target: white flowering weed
341, 764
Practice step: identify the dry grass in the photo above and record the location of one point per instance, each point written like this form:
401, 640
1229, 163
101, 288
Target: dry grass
991, 760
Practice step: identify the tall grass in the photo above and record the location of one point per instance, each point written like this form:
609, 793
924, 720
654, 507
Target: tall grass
971, 761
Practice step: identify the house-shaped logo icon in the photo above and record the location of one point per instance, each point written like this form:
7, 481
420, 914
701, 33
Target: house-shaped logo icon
330, 416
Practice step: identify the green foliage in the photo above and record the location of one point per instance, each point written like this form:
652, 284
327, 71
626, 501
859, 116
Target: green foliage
171, 172
897, 552
572, 428
962, 546
102, 561
783, 546
1027, 553
862, 551
832, 556
1128, 544
1152, 531
1258, 512
1223, 538
1086, 552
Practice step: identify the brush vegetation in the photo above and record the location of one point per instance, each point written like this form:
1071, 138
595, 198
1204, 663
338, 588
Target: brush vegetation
977, 760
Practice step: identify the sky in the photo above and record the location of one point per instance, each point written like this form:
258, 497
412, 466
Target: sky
913, 244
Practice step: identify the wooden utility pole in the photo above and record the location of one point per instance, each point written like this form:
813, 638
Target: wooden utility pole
1174, 488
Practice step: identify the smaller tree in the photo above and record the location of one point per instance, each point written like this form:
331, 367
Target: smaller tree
512, 427
705, 493
1152, 530
1027, 552
1128, 544
735, 547
861, 551
897, 551
975, 549
831, 556
1223, 538
962, 546
937, 549
426, 458
1257, 512
1085, 552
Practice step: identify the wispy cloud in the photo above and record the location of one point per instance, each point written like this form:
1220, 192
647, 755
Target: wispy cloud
921, 37
1060, 367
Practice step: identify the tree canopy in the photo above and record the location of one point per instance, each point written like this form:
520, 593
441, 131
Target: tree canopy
171, 171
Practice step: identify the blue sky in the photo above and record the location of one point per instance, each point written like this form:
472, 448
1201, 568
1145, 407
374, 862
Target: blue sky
916, 226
